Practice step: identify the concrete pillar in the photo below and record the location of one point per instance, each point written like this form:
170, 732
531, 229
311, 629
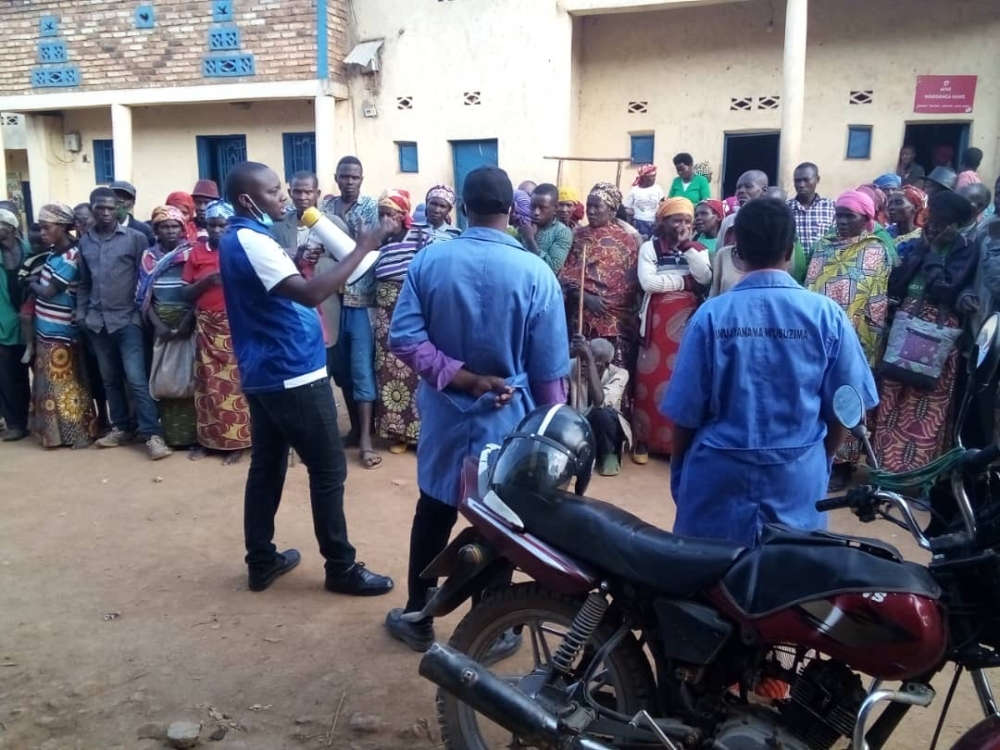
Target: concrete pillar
326, 136
39, 133
121, 134
793, 89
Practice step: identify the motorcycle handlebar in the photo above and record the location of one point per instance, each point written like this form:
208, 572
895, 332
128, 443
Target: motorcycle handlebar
976, 461
833, 503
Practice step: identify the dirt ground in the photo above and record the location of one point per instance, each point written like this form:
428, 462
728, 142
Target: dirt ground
123, 602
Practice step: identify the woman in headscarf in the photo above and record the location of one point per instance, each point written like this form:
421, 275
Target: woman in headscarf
396, 417
610, 281
880, 200
888, 183
162, 302
570, 211
221, 410
674, 273
185, 204
438, 205
63, 410
934, 282
520, 213
708, 216
851, 266
906, 210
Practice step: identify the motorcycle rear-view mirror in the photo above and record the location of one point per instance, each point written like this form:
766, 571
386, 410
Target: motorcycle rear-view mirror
848, 407
985, 356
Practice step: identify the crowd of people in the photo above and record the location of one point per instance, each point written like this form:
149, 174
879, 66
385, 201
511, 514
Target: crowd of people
108, 311
216, 326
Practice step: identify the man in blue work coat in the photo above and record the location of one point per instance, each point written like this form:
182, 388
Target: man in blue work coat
482, 322
752, 393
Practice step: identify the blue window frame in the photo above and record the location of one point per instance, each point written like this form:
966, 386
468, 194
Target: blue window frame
408, 161
300, 153
104, 161
217, 154
859, 141
642, 149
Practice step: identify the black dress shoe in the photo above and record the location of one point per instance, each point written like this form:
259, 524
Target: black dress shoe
357, 580
283, 562
13, 434
417, 635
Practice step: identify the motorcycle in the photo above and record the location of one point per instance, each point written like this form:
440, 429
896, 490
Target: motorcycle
638, 638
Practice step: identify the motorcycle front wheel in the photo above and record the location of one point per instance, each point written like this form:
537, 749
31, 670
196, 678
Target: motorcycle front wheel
624, 682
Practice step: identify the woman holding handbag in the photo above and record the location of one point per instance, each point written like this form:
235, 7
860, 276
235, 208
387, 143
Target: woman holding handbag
917, 372
162, 302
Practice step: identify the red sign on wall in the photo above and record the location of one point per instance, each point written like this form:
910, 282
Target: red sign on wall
945, 94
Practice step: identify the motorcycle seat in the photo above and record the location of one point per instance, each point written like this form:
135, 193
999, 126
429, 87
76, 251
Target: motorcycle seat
616, 542
822, 565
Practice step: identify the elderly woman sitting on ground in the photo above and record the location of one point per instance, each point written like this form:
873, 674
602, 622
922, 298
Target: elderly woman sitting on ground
595, 390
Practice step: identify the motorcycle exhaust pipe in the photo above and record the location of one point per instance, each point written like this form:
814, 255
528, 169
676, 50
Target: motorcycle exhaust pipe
475, 685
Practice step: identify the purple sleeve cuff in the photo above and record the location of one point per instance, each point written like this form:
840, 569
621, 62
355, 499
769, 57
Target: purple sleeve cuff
549, 392
429, 363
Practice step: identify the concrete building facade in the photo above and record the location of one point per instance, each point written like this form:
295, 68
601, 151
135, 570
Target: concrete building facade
175, 90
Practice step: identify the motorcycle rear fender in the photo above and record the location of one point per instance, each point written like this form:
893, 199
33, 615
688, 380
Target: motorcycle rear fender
984, 736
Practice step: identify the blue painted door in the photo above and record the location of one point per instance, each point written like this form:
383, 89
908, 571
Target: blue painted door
217, 154
469, 155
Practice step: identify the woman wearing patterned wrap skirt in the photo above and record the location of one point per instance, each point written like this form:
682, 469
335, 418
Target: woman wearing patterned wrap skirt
62, 410
223, 415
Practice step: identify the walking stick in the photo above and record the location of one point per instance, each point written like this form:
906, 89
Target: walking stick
579, 327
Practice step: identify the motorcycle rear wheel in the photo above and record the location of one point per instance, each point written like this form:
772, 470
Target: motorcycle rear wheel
626, 669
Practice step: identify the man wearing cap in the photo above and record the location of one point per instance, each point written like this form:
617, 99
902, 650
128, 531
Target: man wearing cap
125, 193
106, 312
485, 330
205, 191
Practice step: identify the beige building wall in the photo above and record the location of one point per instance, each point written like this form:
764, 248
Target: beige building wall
166, 157
517, 54
735, 50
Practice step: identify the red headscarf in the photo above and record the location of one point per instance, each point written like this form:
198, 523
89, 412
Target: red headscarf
918, 199
397, 200
718, 207
184, 201
646, 170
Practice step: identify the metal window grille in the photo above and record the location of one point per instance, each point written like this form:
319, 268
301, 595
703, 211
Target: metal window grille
52, 52
104, 161
224, 38
65, 76
408, 159
300, 153
228, 66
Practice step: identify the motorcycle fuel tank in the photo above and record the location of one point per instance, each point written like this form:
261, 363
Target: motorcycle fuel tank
892, 636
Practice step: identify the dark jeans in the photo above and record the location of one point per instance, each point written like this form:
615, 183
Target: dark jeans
303, 418
608, 433
121, 361
432, 525
15, 388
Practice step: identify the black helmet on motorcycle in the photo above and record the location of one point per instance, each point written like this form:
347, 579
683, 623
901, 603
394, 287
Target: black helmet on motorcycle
549, 447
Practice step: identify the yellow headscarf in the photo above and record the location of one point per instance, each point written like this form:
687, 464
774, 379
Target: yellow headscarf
672, 206
568, 195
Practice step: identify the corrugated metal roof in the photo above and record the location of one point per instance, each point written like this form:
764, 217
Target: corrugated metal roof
365, 54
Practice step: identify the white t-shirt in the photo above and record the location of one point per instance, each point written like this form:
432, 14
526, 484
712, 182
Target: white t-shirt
644, 202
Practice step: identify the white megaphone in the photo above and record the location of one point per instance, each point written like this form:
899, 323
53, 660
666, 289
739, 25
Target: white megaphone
338, 244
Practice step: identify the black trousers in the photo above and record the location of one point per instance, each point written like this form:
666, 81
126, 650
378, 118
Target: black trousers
432, 525
608, 433
15, 387
303, 418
